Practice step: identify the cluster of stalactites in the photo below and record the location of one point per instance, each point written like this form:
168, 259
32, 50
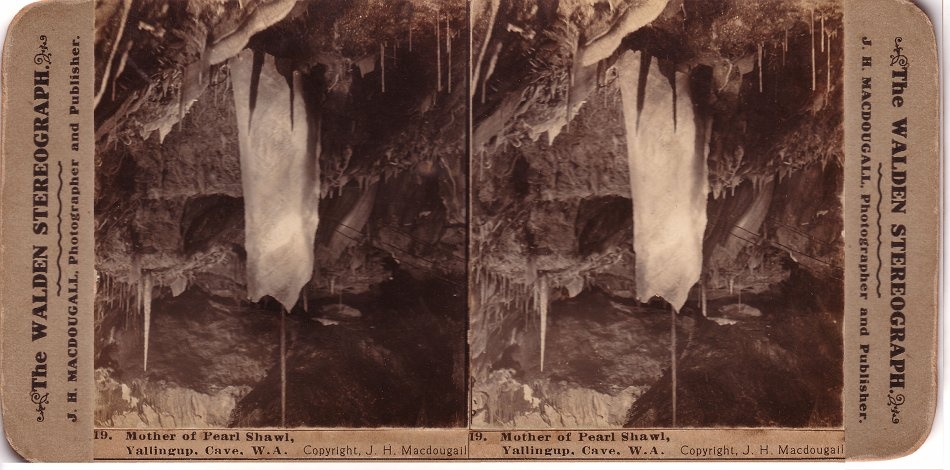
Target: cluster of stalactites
133, 299
527, 296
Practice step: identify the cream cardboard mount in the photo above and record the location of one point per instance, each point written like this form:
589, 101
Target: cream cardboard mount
490, 230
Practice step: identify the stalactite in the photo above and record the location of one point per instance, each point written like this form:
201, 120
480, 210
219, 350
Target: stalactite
759, 53
410, 35
785, 46
828, 68
672, 79
382, 66
139, 295
448, 54
257, 68
811, 27
438, 54
147, 314
822, 33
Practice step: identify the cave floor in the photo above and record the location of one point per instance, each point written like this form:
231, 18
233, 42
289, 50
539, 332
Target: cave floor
393, 357
776, 361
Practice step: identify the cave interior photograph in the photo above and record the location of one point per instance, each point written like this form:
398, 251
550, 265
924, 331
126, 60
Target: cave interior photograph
450, 213
656, 214
280, 213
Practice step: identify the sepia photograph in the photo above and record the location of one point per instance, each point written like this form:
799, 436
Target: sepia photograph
280, 213
656, 214
471, 231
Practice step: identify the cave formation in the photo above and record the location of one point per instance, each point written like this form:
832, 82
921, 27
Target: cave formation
571, 314
280, 207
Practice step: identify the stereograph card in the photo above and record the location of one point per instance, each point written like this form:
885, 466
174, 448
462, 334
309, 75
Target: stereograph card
581, 230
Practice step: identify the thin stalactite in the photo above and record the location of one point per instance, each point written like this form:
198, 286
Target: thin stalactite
828, 67
147, 317
811, 26
448, 54
257, 68
438, 54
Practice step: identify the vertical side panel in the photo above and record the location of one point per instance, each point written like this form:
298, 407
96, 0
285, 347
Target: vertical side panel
48, 280
892, 216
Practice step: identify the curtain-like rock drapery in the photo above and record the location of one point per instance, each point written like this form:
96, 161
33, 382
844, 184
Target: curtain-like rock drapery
668, 179
280, 177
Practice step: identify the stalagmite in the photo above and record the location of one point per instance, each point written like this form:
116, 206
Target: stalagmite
382, 66
280, 178
438, 54
668, 224
811, 27
147, 314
